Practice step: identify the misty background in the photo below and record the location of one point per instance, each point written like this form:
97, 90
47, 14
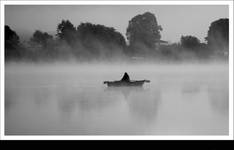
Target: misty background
136, 33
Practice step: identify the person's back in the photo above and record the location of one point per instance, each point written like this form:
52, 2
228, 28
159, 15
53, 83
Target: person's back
125, 77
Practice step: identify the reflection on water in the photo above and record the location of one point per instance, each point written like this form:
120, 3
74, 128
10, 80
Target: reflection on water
41, 96
125, 91
141, 103
144, 107
191, 88
219, 98
43, 101
9, 98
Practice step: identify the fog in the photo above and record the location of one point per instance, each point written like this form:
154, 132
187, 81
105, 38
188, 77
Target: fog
71, 99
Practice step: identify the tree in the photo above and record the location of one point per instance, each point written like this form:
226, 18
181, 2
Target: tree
42, 45
218, 35
169, 51
143, 30
67, 32
189, 42
42, 39
12, 43
100, 40
192, 44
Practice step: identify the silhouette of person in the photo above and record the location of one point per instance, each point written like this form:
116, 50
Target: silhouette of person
125, 77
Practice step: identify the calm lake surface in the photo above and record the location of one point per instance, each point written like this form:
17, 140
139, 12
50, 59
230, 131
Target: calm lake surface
71, 99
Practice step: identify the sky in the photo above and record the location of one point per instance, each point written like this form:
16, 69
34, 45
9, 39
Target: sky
176, 20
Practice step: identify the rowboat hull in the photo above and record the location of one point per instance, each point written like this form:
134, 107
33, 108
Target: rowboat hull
138, 83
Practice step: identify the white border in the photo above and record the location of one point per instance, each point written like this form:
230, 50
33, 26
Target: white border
231, 70
2, 73
107, 137
27, 2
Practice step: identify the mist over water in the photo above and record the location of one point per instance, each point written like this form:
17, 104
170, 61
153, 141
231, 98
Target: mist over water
71, 99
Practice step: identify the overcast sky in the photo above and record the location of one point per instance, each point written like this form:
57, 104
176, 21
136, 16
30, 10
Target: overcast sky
175, 20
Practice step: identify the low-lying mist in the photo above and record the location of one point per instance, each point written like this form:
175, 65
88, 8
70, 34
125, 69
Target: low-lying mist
71, 99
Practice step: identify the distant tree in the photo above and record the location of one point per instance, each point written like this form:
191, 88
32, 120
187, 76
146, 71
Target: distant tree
42, 45
12, 43
100, 40
42, 39
192, 44
189, 42
218, 34
170, 51
67, 32
143, 30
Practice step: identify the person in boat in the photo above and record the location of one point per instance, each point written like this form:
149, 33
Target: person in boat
125, 77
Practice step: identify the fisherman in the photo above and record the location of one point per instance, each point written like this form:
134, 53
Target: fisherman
126, 77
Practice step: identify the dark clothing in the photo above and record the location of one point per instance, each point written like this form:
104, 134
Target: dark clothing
125, 77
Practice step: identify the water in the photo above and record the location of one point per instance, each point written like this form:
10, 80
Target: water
71, 99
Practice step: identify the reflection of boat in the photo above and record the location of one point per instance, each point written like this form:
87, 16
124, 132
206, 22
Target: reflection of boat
125, 90
125, 83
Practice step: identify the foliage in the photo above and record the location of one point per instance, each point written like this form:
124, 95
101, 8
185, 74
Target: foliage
42, 45
100, 40
67, 32
94, 41
190, 42
41, 38
12, 43
218, 34
143, 31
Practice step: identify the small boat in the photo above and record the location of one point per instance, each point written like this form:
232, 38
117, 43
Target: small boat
121, 83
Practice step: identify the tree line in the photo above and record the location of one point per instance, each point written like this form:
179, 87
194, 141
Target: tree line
90, 41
